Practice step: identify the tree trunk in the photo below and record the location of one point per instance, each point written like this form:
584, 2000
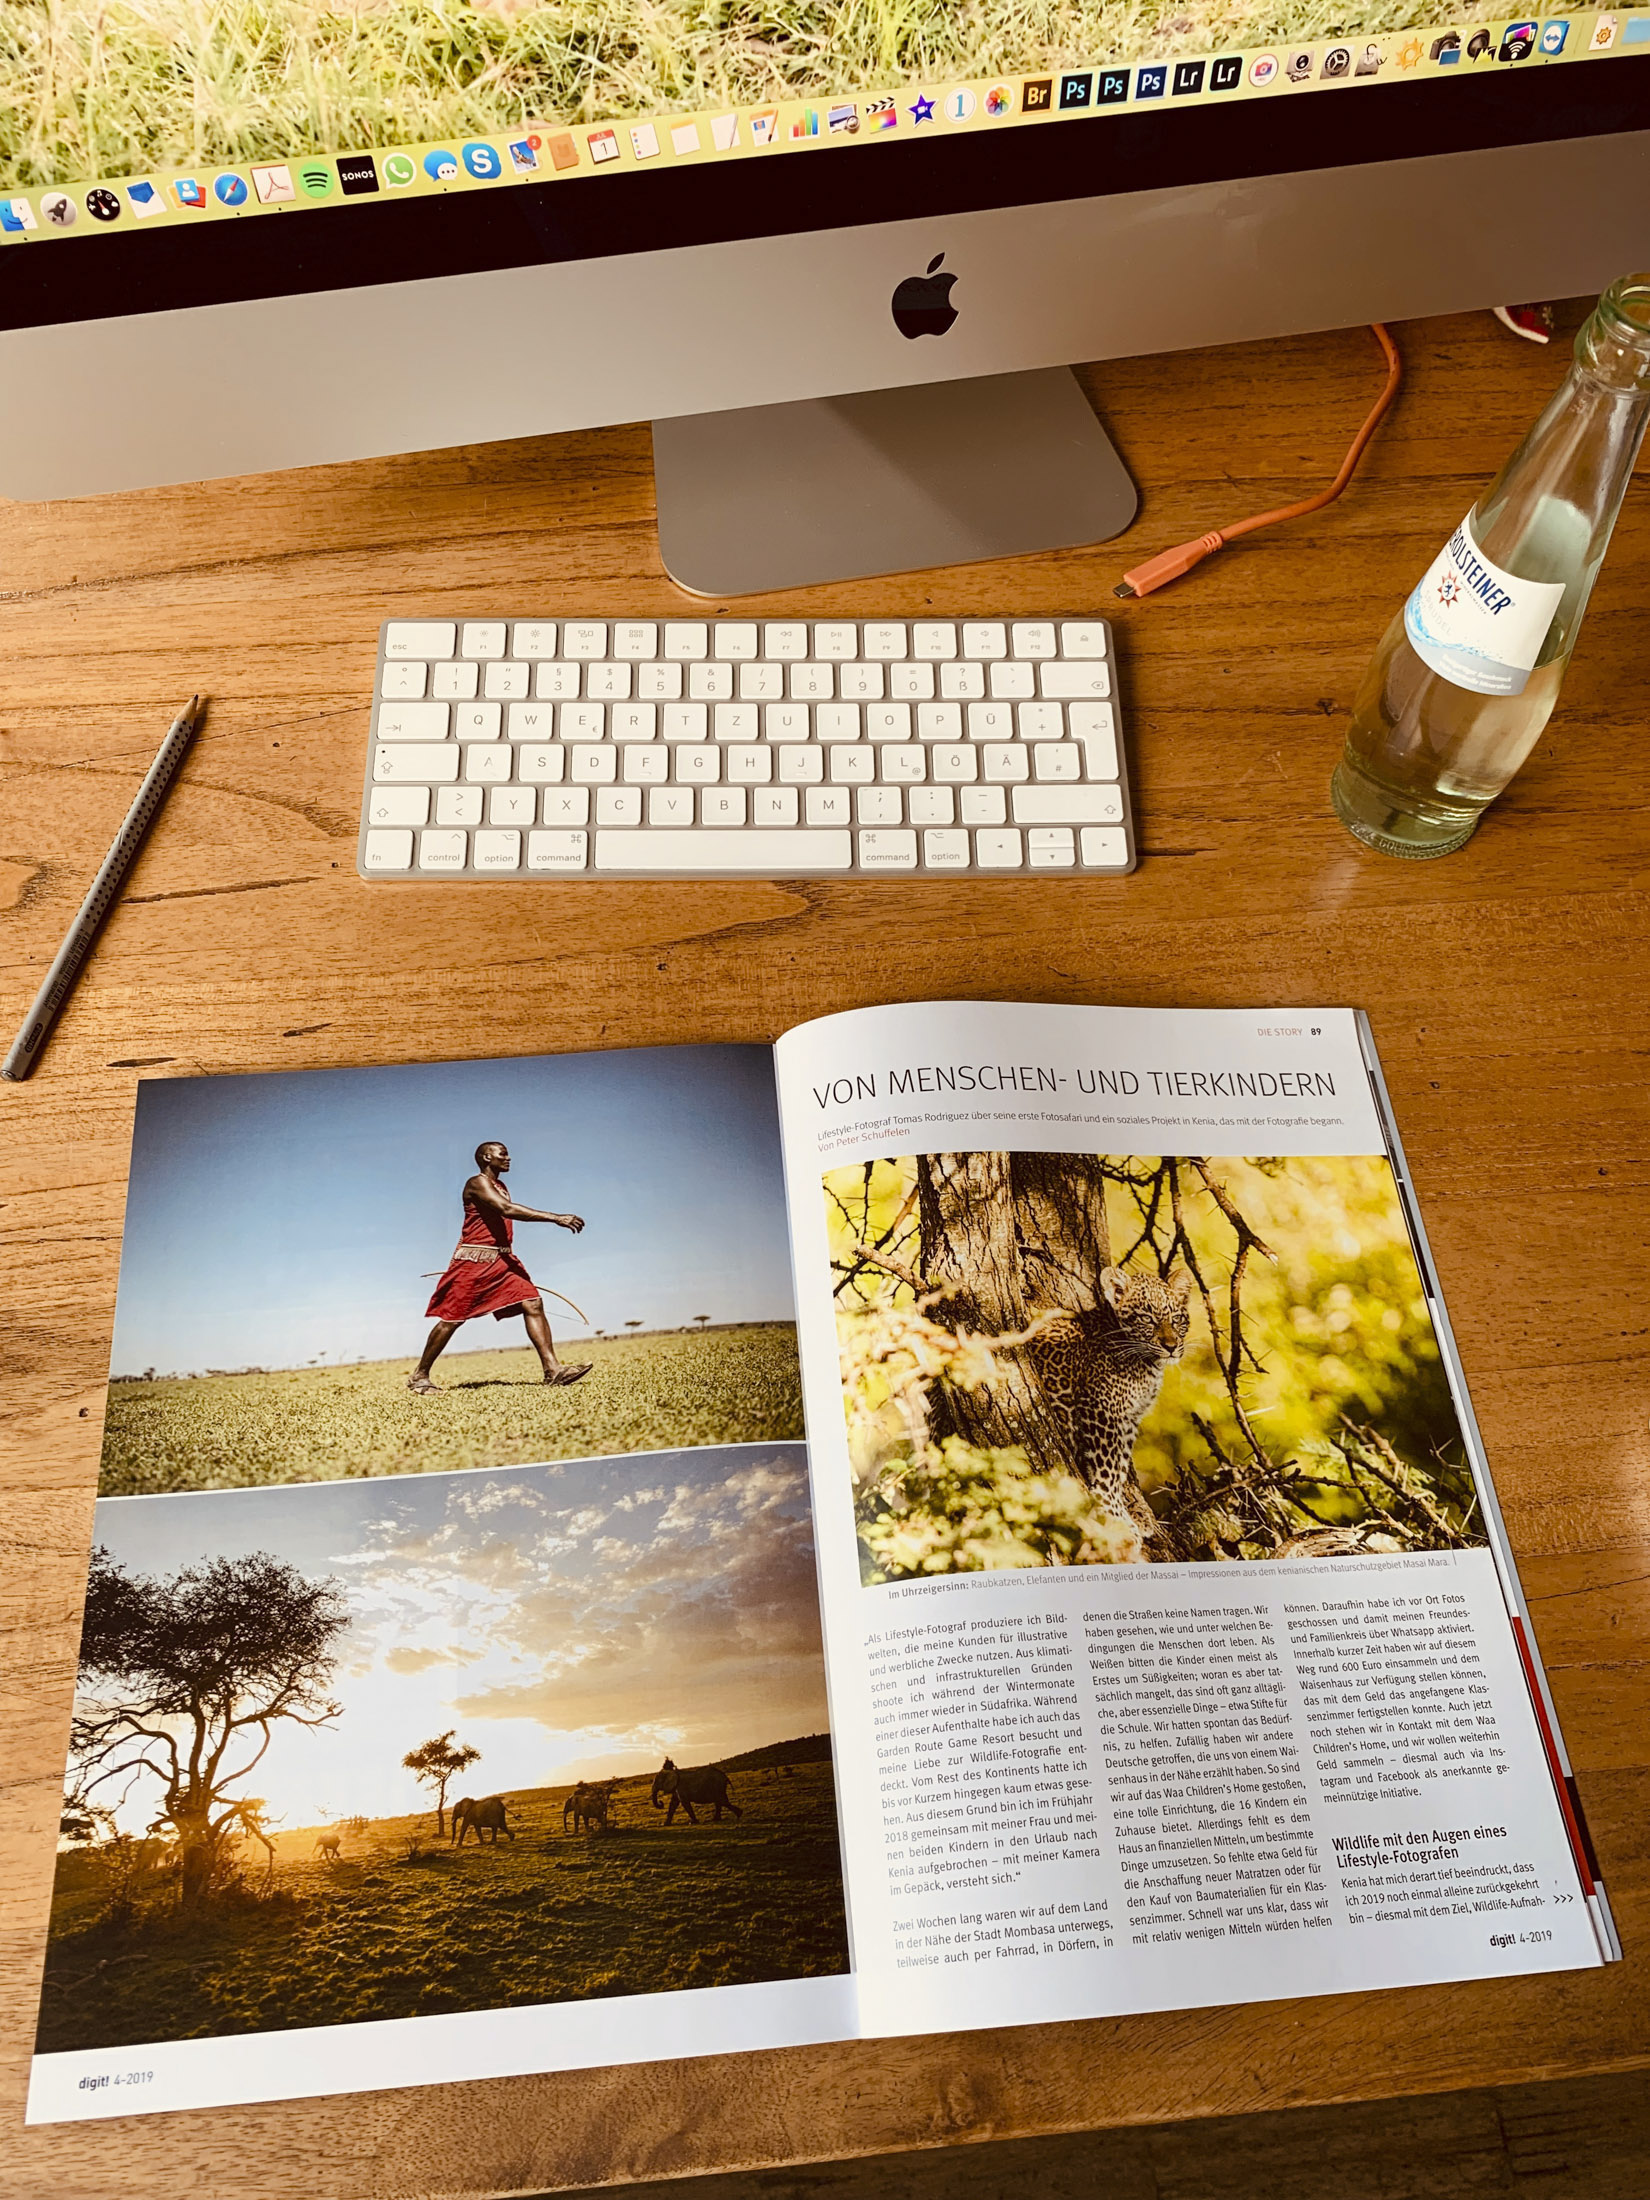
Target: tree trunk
1008, 1237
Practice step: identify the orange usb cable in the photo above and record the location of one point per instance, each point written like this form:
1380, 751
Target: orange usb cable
1169, 565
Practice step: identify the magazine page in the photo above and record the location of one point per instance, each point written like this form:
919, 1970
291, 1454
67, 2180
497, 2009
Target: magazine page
451, 1701
1163, 1617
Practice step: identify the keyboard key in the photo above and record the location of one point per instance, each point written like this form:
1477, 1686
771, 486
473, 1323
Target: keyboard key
537, 765
990, 722
784, 641
530, 722
1085, 640
888, 722
939, 721
761, 683
487, 762
399, 806
606, 683
748, 764
456, 682
945, 851
984, 638
591, 766
1051, 849
931, 806
884, 642
686, 640
962, 683
557, 683
1105, 844
662, 683
498, 851
556, 851
670, 805
911, 683
618, 805
403, 682
773, 805
786, 722
736, 722
389, 848
1041, 722
458, 805
886, 851
478, 721
997, 851
1078, 679
707, 683
813, 682
565, 805
934, 641
535, 638
508, 680
1058, 760
697, 764
1068, 806
902, 763
860, 683
1091, 724
830, 805
836, 641
636, 721
482, 638
801, 764
419, 638
836, 722
1033, 638
984, 806
442, 850
736, 638
644, 764
640, 638
582, 721
1007, 760
1009, 683
782, 854
584, 638
414, 760
853, 767
951, 767
687, 722
722, 806
412, 721
512, 806
878, 806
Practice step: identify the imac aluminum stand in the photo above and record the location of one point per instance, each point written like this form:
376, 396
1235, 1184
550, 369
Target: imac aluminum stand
885, 481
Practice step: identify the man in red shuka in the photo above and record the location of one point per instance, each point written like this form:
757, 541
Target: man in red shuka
485, 1276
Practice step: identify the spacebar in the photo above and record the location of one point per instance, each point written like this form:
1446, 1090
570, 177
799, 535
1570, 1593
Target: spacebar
778, 854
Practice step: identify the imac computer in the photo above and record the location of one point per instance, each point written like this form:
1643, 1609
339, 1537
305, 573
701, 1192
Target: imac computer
840, 254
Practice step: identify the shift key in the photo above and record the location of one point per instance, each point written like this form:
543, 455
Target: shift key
1066, 804
412, 722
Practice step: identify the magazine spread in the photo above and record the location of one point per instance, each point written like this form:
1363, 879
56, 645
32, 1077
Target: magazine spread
480, 1675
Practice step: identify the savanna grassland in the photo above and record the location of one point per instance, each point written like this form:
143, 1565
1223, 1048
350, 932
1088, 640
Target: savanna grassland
657, 1392
404, 1925
94, 88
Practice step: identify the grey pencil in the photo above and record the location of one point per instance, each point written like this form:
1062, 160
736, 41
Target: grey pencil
77, 945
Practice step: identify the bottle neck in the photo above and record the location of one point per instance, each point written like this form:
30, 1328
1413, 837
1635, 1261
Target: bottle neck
1577, 459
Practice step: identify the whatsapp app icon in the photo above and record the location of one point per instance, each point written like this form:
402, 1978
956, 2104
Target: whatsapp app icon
399, 170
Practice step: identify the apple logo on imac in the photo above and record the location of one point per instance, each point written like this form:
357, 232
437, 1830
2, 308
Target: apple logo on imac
922, 303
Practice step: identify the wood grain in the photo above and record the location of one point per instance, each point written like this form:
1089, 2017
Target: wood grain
1508, 986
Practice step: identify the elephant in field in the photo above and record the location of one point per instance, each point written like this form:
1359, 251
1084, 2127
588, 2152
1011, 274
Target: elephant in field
698, 1784
488, 1813
589, 1806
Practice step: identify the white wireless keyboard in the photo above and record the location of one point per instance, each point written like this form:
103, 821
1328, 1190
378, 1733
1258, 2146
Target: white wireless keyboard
698, 748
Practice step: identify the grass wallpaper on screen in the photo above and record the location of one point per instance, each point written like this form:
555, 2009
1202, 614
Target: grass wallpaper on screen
90, 90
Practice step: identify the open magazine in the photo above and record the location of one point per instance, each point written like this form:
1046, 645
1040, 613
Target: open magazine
970, 1517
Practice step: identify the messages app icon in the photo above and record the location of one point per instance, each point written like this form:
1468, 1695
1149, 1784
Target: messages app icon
440, 166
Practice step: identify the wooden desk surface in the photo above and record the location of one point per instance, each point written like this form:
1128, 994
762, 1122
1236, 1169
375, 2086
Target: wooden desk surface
1509, 986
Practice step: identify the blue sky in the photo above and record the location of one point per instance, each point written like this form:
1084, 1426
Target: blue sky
575, 1619
276, 1220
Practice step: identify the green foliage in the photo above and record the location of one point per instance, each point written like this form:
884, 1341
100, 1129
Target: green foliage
385, 1933
112, 87
207, 1432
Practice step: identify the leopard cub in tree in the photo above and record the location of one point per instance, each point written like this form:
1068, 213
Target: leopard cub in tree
1101, 1371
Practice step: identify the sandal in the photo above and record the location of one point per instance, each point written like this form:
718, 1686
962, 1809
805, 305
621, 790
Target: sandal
422, 1385
560, 1377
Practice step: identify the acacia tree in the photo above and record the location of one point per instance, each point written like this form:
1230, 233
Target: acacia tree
435, 1763
184, 1679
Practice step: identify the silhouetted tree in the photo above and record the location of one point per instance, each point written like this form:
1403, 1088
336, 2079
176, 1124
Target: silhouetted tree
435, 1763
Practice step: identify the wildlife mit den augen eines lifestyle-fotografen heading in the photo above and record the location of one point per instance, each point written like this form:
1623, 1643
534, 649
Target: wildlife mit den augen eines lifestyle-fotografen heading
488, 1492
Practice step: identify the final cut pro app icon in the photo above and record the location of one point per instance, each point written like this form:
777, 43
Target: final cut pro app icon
922, 303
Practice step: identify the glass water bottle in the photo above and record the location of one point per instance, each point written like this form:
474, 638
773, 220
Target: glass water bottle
1468, 672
